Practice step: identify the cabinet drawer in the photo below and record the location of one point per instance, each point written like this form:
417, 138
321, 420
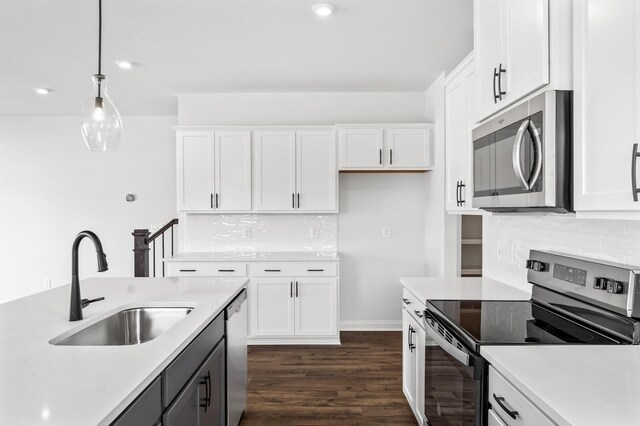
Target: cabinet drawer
505, 399
413, 305
145, 410
294, 269
182, 368
206, 269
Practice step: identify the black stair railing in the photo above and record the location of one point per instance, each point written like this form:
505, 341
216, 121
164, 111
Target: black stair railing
145, 242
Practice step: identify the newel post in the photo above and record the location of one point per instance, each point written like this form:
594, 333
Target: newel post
140, 252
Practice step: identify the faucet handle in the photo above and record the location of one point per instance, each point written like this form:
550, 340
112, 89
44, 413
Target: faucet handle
86, 302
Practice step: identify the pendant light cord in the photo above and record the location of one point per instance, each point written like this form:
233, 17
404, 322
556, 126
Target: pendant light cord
99, 45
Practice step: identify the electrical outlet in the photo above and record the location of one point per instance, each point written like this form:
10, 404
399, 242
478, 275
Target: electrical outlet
246, 232
47, 283
315, 232
386, 232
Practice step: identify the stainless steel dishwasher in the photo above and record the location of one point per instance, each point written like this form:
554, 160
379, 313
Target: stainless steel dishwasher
236, 322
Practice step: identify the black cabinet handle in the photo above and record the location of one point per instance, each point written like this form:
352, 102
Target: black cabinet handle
418, 313
212, 200
458, 193
272, 270
500, 72
296, 288
226, 270
391, 156
291, 289
410, 338
187, 270
634, 185
206, 401
315, 270
462, 186
298, 200
217, 200
293, 200
406, 301
381, 156
500, 400
495, 78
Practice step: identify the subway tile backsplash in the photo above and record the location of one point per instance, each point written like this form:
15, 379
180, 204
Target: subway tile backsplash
269, 232
507, 239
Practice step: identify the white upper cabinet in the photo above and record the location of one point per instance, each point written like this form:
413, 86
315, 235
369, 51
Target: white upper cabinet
195, 153
361, 148
388, 147
409, 148
460, 111
606, 104
512, 49
214, 171
316, 173
232, 171
275, 170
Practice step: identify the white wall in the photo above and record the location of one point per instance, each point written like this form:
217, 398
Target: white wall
300, 108
507, 240
52, 188
370, 266
441, 228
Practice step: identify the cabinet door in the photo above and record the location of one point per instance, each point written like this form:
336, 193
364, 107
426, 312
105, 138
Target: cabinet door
456, 136
409, 373
232, 171
489, 23
316, 304
195, 170
606, 107
409, 148
316, 173
527, 39
361, 148
274, 166
185, 408
271, 306
213, 374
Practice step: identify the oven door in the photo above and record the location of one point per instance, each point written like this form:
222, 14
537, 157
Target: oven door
454, 377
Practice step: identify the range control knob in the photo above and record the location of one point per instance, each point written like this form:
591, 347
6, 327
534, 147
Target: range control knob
536, 265
600, 283
614, 287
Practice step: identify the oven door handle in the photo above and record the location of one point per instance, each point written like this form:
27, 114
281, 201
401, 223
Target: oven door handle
430, 326
517, 147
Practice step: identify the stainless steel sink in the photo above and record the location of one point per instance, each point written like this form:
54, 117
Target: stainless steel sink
127, 327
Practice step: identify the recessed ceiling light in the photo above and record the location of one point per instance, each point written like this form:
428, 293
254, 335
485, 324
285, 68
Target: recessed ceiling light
125, 65
323, 9
42, 90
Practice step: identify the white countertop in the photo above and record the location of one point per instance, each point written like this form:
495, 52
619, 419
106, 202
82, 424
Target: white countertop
43, 384
466, 288
575, 384
270, 256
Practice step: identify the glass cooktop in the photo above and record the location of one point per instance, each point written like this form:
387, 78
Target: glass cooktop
514, 322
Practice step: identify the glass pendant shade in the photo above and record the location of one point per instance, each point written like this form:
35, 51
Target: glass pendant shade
101, 123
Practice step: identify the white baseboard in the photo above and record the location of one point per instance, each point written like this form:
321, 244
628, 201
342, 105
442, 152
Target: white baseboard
375, 325
293, 340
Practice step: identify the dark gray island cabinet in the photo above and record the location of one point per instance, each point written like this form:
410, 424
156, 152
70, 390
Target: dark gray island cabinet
191, 390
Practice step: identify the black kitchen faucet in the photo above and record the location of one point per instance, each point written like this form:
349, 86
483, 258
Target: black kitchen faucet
77, 304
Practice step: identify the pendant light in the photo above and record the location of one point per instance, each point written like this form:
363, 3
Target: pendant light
101, 124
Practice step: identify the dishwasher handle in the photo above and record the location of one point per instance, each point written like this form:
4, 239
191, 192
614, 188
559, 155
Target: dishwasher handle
236, 305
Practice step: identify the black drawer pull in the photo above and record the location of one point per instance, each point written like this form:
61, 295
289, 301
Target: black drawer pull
418, 313
500, 400
187, 270
315, 270
406, 301
226, 270
272, 270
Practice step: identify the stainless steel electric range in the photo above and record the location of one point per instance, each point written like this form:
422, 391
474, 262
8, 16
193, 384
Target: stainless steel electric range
574, 302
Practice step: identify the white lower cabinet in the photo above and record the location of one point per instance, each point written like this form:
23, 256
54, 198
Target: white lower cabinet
413, 342
315, 306
271, 307
509, 406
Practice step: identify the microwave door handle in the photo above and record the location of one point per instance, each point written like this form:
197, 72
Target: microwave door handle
449, 348
517, 146
537, 146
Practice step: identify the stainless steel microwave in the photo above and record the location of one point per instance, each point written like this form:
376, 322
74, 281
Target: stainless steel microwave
522, 159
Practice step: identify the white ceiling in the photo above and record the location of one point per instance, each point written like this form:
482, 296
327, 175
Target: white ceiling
187, 46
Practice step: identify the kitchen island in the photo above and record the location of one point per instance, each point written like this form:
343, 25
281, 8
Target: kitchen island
45, 384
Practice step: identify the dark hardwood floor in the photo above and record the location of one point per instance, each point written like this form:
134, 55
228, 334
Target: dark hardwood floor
358, 383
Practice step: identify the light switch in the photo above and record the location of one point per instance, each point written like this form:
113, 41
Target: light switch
246, 232
386, 232
314, 233
47, 283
